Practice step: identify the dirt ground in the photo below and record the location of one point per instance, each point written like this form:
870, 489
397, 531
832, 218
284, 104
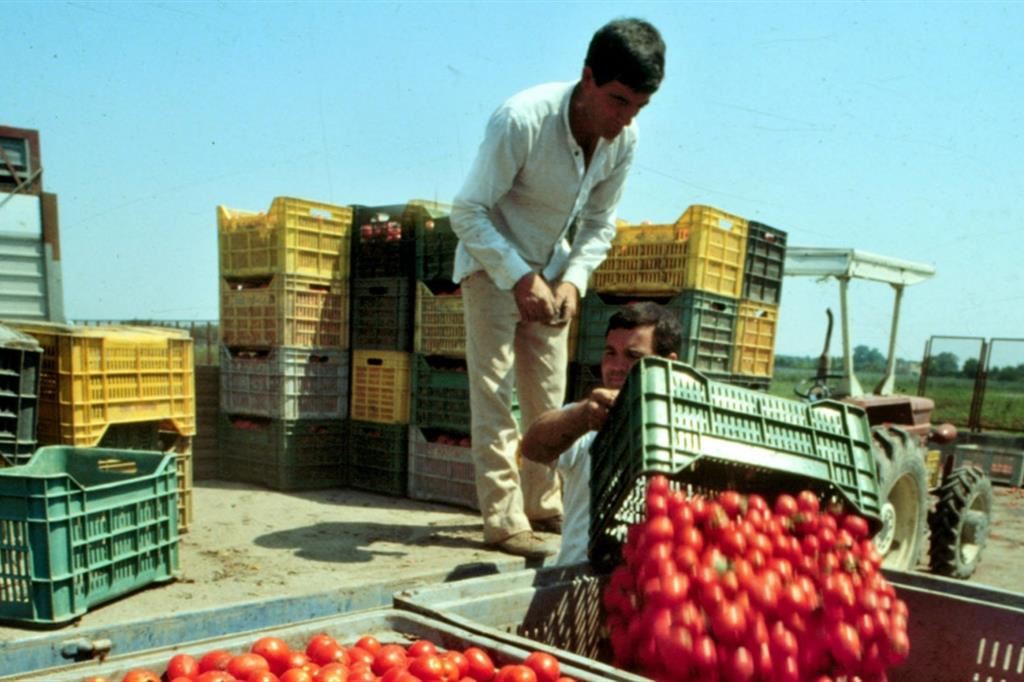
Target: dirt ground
248, 544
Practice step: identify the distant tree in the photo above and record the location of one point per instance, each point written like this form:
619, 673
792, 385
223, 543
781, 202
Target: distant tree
944, 365
1007, 373
970, 368
865, 358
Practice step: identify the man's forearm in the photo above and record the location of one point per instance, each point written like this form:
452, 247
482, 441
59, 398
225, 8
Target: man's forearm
553, 433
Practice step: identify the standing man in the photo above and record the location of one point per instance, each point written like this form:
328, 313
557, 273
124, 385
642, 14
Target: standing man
554, 157
564, 436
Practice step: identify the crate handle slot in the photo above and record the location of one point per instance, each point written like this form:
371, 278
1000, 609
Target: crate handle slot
120, 466
375, 362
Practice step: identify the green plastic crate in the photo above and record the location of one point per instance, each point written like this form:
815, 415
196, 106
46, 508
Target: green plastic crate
762, 272
435, 239
440, 393
378, 457
79, 527
283, 454
383, 314
670, 419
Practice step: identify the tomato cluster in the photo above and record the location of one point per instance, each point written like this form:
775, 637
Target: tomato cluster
730, 588
368, 660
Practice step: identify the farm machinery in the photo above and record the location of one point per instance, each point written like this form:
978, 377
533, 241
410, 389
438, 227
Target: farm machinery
921, 490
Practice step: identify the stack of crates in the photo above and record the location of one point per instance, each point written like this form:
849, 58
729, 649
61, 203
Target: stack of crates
440, 461
693, 267
757, 317
20, 358
385, 240
121, 387
284, 357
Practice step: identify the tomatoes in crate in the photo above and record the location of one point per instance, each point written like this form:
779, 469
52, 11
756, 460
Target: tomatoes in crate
732, 587
325, 659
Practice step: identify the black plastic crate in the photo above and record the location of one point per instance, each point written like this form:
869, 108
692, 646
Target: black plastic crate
283, 454
708, 321
20, 362
763, 270
670, 419
383, 314
381, 245
378, 457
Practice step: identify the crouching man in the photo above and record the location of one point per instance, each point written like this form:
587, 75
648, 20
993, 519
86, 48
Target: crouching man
566, 434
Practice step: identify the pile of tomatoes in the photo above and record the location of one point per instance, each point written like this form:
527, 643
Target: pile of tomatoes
730, 588
368, 660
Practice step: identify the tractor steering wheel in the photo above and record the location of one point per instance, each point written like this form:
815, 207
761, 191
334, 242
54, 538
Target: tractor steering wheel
817, 388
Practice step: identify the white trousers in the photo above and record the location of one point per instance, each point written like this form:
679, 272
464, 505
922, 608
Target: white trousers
505, 354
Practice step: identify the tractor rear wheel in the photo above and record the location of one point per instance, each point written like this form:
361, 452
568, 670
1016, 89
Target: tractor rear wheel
960, 522
903, 483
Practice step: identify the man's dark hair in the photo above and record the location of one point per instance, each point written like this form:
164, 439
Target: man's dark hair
630, 51
668, 333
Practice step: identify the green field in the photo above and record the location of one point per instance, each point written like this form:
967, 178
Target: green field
1002, 410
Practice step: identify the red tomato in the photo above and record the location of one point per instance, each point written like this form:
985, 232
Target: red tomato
217, 659
267, 676
785, 506
274, 650
369, 643
421, 647
243, 665
216, 676
358, 654
460, 661
427, 667
296, 675
544, 665
481, 667
324, 652
390, 656
515, 673
808, 502
318, 640
182, 678
140, 675
182, 665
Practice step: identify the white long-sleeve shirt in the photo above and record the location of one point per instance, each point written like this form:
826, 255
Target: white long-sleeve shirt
529, 184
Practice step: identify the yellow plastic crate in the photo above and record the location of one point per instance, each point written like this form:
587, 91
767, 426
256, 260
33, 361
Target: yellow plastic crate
643, 259
380, 386
181, 448
440, 324
754, 352
287, 310
92, 377
296, 237
716, 250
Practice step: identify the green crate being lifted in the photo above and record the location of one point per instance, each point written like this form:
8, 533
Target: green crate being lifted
670, 419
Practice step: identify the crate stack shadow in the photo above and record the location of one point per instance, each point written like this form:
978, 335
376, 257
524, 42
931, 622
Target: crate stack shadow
284, 355
718, 274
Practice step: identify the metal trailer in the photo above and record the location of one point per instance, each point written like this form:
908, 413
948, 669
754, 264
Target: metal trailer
958, 631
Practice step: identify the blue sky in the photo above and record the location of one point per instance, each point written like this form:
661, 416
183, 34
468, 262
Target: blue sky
893, 128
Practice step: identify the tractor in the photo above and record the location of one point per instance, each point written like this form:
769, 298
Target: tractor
959, 511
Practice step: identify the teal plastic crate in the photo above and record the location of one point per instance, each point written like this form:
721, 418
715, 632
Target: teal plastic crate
708, 322
671, 419
378, 457
79, 527
283, 454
